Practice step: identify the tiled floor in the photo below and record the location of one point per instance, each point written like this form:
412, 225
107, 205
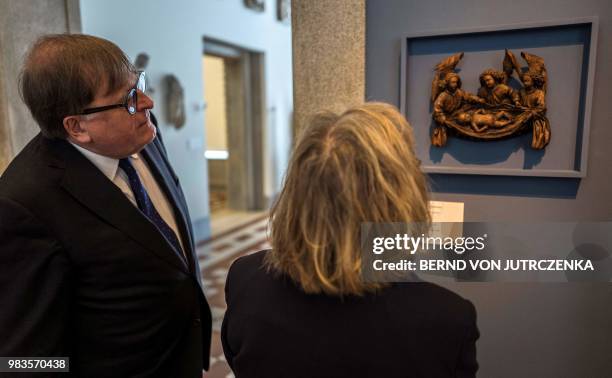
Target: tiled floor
227, 220
216, 256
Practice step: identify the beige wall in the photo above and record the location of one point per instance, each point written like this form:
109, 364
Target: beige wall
215, 119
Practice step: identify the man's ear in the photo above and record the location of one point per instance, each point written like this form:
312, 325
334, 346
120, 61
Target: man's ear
75, 130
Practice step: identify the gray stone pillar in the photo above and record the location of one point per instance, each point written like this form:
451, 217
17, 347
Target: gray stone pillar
21, 22
328, 56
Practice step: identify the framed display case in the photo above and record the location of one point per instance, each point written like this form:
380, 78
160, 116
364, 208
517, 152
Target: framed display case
569, 49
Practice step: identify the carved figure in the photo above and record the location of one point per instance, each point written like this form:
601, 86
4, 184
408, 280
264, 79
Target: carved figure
498, 111
175, 101
480, 120
494, 90
452, 98
533, 97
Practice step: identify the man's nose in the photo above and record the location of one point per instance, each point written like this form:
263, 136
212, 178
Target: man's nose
144, 102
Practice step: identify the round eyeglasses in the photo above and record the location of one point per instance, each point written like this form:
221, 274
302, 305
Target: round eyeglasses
131, 99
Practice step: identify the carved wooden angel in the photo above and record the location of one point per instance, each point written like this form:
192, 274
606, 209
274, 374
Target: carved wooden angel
533, 94
448, 97
498, 111
445, 66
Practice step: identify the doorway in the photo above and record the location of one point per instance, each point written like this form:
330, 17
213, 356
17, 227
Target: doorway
234, 94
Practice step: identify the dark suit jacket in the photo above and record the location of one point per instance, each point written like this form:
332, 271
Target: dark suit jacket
272, 329
84, 274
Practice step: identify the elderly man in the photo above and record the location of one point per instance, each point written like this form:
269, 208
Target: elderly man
97, 259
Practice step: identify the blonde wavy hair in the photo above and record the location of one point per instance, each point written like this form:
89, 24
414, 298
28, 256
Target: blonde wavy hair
346, 169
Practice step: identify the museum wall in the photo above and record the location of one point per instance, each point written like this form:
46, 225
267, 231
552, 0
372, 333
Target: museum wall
172, 33
21, 22
527, 330
501, 198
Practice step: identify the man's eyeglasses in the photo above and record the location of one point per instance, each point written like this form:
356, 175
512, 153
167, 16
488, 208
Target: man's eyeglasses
131, 100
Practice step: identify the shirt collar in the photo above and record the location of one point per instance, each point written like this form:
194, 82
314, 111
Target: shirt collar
107, 165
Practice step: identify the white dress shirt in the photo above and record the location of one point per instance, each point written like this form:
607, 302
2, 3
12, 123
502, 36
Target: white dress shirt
110, 168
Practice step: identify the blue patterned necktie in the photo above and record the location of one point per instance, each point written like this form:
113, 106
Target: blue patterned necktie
146, 206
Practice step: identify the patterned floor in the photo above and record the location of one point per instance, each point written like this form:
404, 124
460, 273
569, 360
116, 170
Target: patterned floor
216, 256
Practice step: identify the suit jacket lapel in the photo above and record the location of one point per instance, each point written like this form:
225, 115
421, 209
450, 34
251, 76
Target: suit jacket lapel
91, 188
166, 182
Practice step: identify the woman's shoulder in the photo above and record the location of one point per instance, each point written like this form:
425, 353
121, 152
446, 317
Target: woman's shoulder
250, 260
245, 271
435, 298
250, 274
246, 266
425, 289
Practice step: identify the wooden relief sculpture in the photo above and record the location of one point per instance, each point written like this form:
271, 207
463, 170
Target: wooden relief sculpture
497, 111
175, 101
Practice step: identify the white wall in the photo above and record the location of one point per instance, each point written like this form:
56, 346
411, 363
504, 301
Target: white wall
172, 33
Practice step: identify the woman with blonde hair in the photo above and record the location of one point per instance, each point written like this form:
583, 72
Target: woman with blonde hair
303, 309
